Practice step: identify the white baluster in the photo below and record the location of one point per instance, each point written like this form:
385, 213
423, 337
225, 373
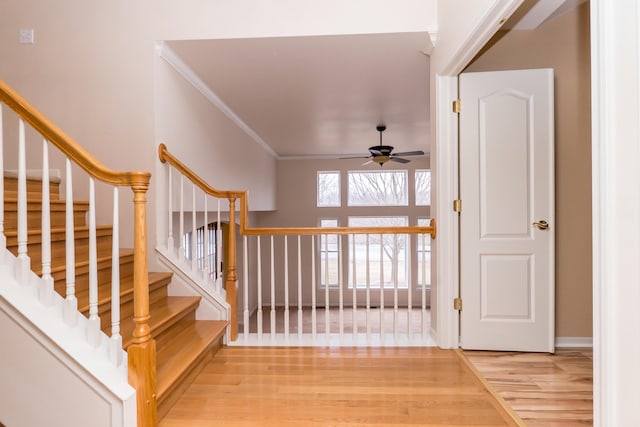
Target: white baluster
394, 268
368, 290
93, 329
423, 307
3, 238
314, 314
340, 287
170, 244
219, 257
259, 281
286, 288
206, 267
181, 253
46, 290
326, 288
245, 267
409, 290
381, 290
194, 233
273, 293
23, 267
354, 303
70, 302
299, 289
115, 343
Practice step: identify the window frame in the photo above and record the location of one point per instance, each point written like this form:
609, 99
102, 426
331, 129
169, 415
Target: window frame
405, 172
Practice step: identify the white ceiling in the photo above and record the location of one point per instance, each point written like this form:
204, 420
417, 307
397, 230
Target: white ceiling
322, 96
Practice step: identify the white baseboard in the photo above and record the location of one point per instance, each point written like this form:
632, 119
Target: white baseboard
574, 342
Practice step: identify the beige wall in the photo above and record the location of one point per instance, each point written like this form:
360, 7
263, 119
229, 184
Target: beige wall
562, 44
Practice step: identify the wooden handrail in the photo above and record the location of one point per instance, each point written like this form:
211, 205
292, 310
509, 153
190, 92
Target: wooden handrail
166, 157
65, 143
245, 230
142, 352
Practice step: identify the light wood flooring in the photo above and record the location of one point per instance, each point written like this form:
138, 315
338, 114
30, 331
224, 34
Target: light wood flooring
544, 389
280, 386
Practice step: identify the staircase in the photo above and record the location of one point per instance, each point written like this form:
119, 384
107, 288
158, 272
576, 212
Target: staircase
184, 344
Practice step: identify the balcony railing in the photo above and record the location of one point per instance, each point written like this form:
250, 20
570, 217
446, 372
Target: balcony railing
274, 283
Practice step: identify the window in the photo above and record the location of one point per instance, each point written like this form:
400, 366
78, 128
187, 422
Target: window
329, 253
378, 188
423, 187
423, 249
212, 259
328, 191
385, 256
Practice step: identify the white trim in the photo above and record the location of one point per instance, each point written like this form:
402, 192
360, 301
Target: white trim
446, 242
485, 29
574, 342
446, 183
166, 53
615, 111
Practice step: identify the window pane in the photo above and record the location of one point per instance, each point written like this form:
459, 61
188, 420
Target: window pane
386, 254
423, 246
378, 188
423, 187
329, 253
328, 189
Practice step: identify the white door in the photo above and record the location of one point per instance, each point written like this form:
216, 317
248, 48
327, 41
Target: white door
507, 218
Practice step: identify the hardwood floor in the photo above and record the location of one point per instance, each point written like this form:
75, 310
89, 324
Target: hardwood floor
544, 389
281, 386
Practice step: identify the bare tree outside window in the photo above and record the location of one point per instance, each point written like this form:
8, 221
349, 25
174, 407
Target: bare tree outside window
387, 254
423, 187
378, 188
328, 190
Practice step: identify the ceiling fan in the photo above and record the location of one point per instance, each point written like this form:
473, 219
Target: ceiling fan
381, 154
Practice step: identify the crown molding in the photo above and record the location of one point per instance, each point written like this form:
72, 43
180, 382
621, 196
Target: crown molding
166, 53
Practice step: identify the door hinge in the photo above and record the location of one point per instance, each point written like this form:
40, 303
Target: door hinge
457, 106
457, 205
457, 304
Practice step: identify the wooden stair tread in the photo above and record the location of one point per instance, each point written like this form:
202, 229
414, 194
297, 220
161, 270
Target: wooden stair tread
156, 279
124, 254
178, 355
56, 205
164, 313
60, 232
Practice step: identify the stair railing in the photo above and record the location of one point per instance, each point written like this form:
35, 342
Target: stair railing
141, 353
317, 235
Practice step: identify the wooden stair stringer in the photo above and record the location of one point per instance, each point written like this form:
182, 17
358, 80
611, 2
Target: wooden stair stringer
191, 351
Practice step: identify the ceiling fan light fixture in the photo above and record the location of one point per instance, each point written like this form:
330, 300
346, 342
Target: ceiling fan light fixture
381, 154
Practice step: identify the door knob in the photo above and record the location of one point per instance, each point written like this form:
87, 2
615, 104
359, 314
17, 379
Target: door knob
541, 225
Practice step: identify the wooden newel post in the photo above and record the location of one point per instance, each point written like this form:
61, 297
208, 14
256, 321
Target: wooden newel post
142, 352
232, 279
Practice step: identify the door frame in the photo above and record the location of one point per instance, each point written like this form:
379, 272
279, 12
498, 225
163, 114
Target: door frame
447, 246
615, 66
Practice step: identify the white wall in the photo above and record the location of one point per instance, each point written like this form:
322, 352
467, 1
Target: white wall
41, 386
91, 67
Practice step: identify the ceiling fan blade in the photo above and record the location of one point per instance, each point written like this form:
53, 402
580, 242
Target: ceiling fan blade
367, 162
399, 160
409, 153
353, 157
377, 152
